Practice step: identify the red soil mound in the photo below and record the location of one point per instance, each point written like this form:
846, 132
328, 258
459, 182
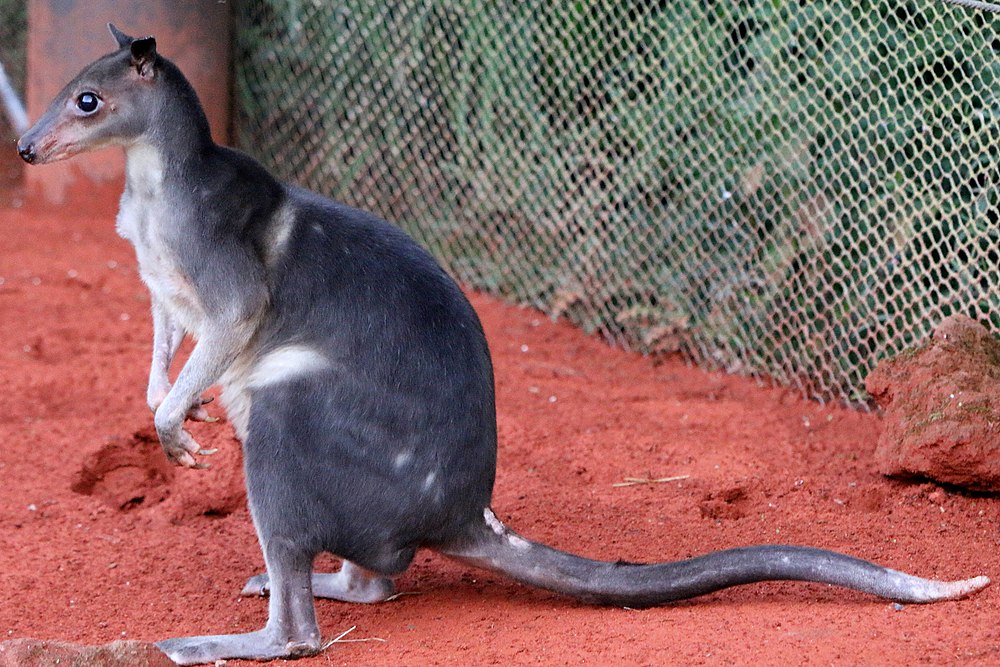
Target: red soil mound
942, 406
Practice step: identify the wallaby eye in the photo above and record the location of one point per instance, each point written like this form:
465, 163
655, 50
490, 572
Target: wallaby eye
88, 102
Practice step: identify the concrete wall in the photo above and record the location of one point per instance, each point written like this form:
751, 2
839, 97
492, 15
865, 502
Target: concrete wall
66, 35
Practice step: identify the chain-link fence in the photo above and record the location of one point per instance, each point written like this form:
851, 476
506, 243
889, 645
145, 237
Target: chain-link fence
788, 189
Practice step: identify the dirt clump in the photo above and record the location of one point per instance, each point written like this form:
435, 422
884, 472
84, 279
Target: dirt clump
942, 408
47, 653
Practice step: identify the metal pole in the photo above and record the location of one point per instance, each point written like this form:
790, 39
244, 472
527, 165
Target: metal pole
12, 104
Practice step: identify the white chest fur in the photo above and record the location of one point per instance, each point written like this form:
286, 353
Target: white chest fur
151, 222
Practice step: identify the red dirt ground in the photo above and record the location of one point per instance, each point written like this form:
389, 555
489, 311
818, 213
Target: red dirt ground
100, 540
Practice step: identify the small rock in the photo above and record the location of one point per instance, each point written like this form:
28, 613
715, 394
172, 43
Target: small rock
50, 653
942, 408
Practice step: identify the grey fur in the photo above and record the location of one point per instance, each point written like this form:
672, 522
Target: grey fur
354, 371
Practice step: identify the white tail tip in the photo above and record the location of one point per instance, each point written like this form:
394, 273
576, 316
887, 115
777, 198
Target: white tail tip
955, 590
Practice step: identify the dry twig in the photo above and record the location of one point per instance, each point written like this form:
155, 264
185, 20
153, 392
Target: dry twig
635, 481
339, 639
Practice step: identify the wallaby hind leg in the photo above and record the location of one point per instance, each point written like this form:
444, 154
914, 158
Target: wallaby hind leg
351, 583
291, 629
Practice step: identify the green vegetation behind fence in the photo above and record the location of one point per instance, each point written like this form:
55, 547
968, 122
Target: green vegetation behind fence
786, 189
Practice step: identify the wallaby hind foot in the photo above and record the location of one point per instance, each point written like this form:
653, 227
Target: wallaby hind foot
350, 584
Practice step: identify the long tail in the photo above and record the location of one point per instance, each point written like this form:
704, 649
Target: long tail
495, 547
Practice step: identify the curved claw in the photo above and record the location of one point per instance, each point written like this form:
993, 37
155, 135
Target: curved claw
181, 448
198, 413
184, 460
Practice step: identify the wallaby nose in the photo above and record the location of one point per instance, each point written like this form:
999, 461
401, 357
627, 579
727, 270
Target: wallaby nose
26, 151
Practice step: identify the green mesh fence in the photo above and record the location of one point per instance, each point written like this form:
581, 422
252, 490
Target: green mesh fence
786, 189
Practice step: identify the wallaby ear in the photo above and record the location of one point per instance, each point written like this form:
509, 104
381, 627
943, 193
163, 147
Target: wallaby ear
143, 56
121, 38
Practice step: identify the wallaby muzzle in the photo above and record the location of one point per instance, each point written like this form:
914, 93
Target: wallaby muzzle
48, 141
26, 151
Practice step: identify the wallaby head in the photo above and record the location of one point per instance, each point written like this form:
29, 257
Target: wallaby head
109, 103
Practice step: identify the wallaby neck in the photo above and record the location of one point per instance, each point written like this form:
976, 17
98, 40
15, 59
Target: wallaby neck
178, 131
144, 169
